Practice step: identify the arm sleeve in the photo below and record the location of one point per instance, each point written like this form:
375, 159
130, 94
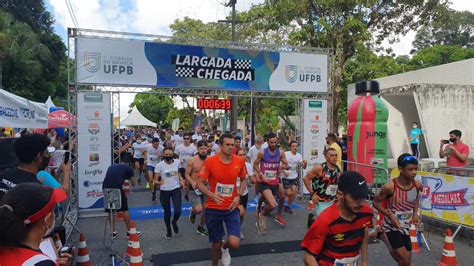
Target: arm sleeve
47, 179
314, 239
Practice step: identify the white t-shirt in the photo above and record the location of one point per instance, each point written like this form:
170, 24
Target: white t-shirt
265, 145
252, 154
138, 154
169, 175
154, 155
293, 162
196, 137
178, 140
250, 173
184, 153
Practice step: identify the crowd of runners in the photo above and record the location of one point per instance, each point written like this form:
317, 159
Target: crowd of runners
215, 171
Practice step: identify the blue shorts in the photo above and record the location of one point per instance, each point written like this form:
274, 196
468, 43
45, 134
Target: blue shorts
215, 220
150, 168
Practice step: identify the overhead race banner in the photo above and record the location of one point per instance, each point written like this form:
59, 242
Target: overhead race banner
447, 197
94, 146
19, 112
128, 62
315, 128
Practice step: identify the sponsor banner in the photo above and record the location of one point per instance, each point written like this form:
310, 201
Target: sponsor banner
19, 112
447, 197
314, 131
126, 62
94, 146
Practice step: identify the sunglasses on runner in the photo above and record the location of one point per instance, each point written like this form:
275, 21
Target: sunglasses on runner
410, 158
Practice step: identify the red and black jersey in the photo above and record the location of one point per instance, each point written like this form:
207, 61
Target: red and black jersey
24, 256
332, 237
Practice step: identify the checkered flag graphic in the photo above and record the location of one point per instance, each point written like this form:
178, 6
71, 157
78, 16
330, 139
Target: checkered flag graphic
243, 64
184, 72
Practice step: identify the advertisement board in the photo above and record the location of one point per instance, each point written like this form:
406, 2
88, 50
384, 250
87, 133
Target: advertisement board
314, 132
447, 197
19, 112
94, 146
140, 63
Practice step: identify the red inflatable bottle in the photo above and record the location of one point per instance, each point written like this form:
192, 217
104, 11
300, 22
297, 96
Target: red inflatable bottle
367, 132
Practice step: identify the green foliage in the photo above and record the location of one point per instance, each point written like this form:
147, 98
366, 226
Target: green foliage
453, 28
155, 107
267, 120
440, 54
32, 56
185, 115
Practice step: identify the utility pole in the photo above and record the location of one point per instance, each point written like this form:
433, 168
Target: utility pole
234, 99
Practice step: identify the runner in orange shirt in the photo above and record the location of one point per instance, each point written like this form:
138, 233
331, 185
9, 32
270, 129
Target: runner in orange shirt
221, 172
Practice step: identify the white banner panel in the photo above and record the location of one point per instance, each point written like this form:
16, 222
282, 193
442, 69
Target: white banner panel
130, 62
94, 146
315, 128
16, 111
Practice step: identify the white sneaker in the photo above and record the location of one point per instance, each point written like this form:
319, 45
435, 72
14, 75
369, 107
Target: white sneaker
225, 257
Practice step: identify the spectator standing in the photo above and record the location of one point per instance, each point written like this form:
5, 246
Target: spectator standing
415, 134
457, 152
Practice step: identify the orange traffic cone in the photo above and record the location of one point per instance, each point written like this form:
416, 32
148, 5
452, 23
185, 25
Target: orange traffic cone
311, 205
133, 250
126, 186
120, 216
83, 252
57, 241
414, 240
449, 255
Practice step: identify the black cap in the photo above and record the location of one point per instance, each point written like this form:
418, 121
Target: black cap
368, 86
354, 184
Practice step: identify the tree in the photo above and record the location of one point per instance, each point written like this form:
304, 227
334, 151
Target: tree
155, 107
440, 54
453, 28
339, 25
185, 115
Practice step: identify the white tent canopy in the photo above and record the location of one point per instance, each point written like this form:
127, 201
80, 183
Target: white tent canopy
16, 111
135, 118
49, 103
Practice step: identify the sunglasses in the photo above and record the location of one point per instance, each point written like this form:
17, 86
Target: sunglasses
410, 158
185, 138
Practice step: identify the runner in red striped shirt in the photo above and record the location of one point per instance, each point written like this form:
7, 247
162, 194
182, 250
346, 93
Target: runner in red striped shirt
340, 233
401, 209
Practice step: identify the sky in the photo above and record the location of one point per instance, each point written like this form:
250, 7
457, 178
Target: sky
155, 16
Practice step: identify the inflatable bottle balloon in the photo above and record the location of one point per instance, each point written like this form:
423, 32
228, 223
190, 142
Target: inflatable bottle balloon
367, 132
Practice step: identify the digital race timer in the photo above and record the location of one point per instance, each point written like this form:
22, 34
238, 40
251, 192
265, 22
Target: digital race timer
221, 104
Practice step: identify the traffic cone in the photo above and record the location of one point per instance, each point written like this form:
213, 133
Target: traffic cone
57, 241
133, 249
83, 252
414, 240
126, 186
311, 205
448, 258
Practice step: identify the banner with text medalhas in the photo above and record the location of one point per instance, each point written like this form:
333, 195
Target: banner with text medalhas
315, 128
94, 147
126, 62
448, 197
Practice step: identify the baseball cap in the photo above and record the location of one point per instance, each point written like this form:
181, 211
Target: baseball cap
353, 183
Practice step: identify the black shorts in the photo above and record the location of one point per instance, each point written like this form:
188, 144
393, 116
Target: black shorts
141, 161
181, 172
243, 200
399, 240
287, 183
124, 202
264, 186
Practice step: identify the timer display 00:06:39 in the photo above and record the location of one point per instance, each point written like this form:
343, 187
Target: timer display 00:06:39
221, 104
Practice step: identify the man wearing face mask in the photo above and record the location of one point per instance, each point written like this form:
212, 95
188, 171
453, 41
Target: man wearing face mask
32, 152
24, 221
457, 152
196, 196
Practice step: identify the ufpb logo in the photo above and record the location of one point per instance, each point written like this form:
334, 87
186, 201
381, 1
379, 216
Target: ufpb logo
92, 62
291, 73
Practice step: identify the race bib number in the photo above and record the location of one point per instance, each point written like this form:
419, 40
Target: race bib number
198, 192
129, 150
170, 174
224, 190
154, 159
270, 174
331, 190
404, 217
353, 261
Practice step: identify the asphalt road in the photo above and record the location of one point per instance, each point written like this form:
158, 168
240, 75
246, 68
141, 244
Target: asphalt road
152, 242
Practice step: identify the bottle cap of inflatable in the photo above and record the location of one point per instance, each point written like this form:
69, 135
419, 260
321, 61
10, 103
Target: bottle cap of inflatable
368, 86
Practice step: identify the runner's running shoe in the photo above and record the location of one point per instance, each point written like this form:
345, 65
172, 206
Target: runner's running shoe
225, 256
202, 231
279, 219
289, 210
192, 217
310, 220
